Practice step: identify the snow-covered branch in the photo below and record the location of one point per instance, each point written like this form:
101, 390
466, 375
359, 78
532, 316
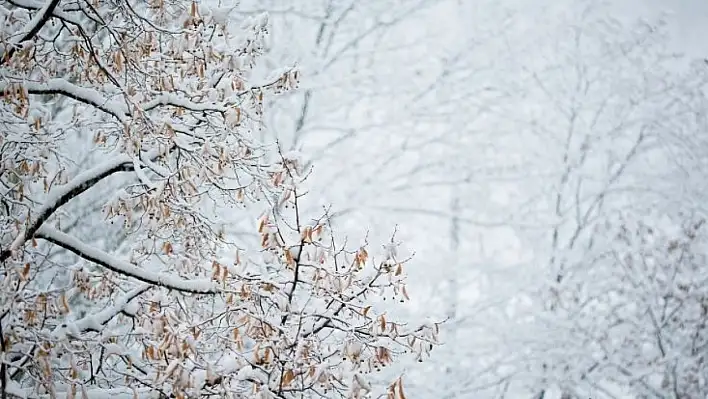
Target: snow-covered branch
95, 322
32, 28
204, 286
58, 12
84, 95
62, 194
175, 101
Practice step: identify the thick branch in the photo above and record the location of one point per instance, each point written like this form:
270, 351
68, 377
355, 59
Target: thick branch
63, 194
112, 107
204, 286
32, 28
59, 12
81, 94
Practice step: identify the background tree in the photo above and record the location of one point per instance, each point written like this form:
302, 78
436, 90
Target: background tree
589, 117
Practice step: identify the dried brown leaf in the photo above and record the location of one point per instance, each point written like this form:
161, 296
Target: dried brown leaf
366, 310
289, 376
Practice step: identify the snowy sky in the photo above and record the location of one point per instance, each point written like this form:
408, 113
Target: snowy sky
688, 20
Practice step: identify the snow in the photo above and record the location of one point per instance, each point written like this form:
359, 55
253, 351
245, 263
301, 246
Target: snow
114, 349
56, 196
487, 269
141, 175
131, 308
174, 100
13, 388
60, 194
34, 23
202, 286
58, 11
96, 321
114, 107
219, 15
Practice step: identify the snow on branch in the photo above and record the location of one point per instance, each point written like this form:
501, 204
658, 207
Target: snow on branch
292, 314
174, 100
58, 12
203, 286
93, 393
32, 28
95, 322
63, 194
81, 94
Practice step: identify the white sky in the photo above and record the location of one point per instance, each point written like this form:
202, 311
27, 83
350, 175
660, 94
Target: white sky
688, 20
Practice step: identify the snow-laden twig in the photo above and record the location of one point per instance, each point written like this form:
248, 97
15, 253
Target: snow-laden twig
84, 95
174, 100
57, 12
32, 28
202, 286
62, 194
94, 322
141, 175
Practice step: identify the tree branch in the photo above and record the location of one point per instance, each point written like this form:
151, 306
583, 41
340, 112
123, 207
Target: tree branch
203, 286
94, 322
58, 12
63, 194
166, 99
81, 94
34, 25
